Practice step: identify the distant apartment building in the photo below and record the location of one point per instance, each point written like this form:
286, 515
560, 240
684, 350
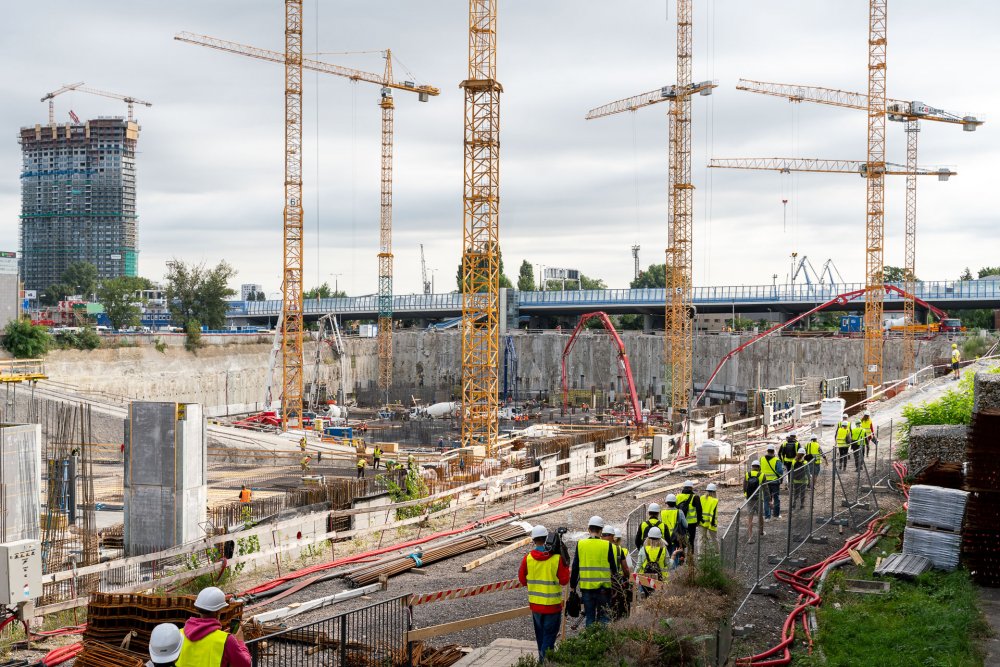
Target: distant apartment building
249, 291
78, 199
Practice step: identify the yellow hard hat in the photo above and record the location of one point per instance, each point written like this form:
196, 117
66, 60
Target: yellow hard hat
954, 345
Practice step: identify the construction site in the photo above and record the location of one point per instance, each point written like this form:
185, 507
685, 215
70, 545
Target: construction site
368, 477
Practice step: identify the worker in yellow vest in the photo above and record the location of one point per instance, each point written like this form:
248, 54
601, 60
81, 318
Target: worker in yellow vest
621, 590
956, 361
593, 566
361, 467
710, 513
751, 486
771, 472
857, 443
869, 431
376, 456
653, 559
302, 444
843, 441
652, 522
544, 574
205, 643
799, 474
674, 526
689, 503
815, 457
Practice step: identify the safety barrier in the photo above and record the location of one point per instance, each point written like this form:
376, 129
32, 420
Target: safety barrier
372, 635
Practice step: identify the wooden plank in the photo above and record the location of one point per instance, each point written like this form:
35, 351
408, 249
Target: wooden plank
465, 624
856, 557
496, 554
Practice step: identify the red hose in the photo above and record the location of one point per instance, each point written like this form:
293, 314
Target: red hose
58, 656
803, 585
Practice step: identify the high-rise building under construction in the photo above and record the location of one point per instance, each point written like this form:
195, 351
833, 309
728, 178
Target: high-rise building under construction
78, 199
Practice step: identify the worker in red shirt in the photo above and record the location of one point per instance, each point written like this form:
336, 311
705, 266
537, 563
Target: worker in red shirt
544, 573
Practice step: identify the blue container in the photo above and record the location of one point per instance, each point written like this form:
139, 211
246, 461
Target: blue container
339, 431
850, 324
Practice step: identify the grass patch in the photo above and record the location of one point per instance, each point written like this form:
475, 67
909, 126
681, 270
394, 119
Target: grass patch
934, 620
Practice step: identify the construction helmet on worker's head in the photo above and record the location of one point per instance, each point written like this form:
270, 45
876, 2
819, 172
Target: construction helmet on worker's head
618, 533
688, 483
711, 487
608, 530
596, 522
165, 644
868, 413
655, 533
539, 531
653, 508
755, 463
210, 599
802, 450
813, 439
671, 498
770, 448
954, 346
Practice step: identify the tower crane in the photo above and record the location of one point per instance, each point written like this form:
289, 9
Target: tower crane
386, 104
424, 282
79, 87
787, 165
481, 232
679, 330
909, 113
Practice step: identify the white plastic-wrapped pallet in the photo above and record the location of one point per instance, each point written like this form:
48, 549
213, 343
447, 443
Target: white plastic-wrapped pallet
710, 452
936, 507
831, 410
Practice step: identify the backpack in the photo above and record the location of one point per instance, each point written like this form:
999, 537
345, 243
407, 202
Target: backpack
652, 565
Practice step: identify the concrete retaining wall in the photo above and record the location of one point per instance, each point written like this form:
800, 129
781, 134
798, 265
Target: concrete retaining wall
20, 481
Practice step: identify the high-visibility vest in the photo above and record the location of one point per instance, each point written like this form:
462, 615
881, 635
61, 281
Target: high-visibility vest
956, 356
813, 449
377, 453
543, 581
669, 517
768, 469
245, 495
651, 522
866, 425
660, 559
206, 652
857, 434
361, 463
789, 450
843, 434
595, 568
800, 472
692, 513
709, 507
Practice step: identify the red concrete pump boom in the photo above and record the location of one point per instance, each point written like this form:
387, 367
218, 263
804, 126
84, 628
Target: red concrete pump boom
622, 360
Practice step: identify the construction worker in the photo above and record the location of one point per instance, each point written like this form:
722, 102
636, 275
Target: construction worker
751, 486
710, 513
620, 591
376, 455
689, 503
593, 565
800, 477
956, 361
544, 574
788, 449
361, 467
652, 522
869, 431
411, 463
618, 542
302, 444
164, 645
814, 455
205, 643
653, 559
843, 441
246, 495
675, 527
857, 443
771, 472
304, 463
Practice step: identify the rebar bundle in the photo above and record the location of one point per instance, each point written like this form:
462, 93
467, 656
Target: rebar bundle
398, 564
981, 537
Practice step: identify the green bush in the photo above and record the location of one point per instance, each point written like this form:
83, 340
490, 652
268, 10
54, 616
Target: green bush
413, 488
975, 347
85, 339
193, 340
25, 340
711, 574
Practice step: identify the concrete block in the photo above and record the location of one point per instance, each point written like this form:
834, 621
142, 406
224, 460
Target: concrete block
987, 392
373, 519
942, 442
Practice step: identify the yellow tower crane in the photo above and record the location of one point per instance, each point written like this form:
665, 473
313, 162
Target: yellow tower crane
387, 105
909, 114
481, 232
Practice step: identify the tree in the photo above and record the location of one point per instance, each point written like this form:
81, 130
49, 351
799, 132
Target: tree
261, 297
81, 278
504, 280
321, 292
654, 276
989, 271
526, 277
25, 340
893, 274
966, 275
121, 304
197, 293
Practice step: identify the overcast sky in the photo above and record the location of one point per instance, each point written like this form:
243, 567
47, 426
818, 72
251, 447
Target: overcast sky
574, 193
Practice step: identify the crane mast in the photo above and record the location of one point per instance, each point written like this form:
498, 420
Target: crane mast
385, 240
481, 232
291, 303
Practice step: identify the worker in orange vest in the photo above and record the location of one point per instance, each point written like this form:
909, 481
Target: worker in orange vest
246, 495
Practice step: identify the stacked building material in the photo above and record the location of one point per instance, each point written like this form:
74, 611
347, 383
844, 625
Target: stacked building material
941, 548
934, 525
112, 616
981, 539
99, 654
395, 565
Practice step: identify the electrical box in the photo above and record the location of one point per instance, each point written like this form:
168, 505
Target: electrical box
20, 571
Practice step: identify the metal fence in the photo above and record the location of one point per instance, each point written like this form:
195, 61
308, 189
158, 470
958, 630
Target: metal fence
372, 635
782, 516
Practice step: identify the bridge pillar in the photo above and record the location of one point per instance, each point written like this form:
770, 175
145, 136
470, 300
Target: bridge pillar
647, 324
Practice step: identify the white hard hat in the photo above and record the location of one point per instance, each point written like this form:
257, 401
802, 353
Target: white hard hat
770, 448
711, 487
165, 643
653, 507
596, 521
802, 450
618, 533
689, 482
539, 531
845, 415
655, 533
608, 530
868, 413
755, 462
211, 599
671, 498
